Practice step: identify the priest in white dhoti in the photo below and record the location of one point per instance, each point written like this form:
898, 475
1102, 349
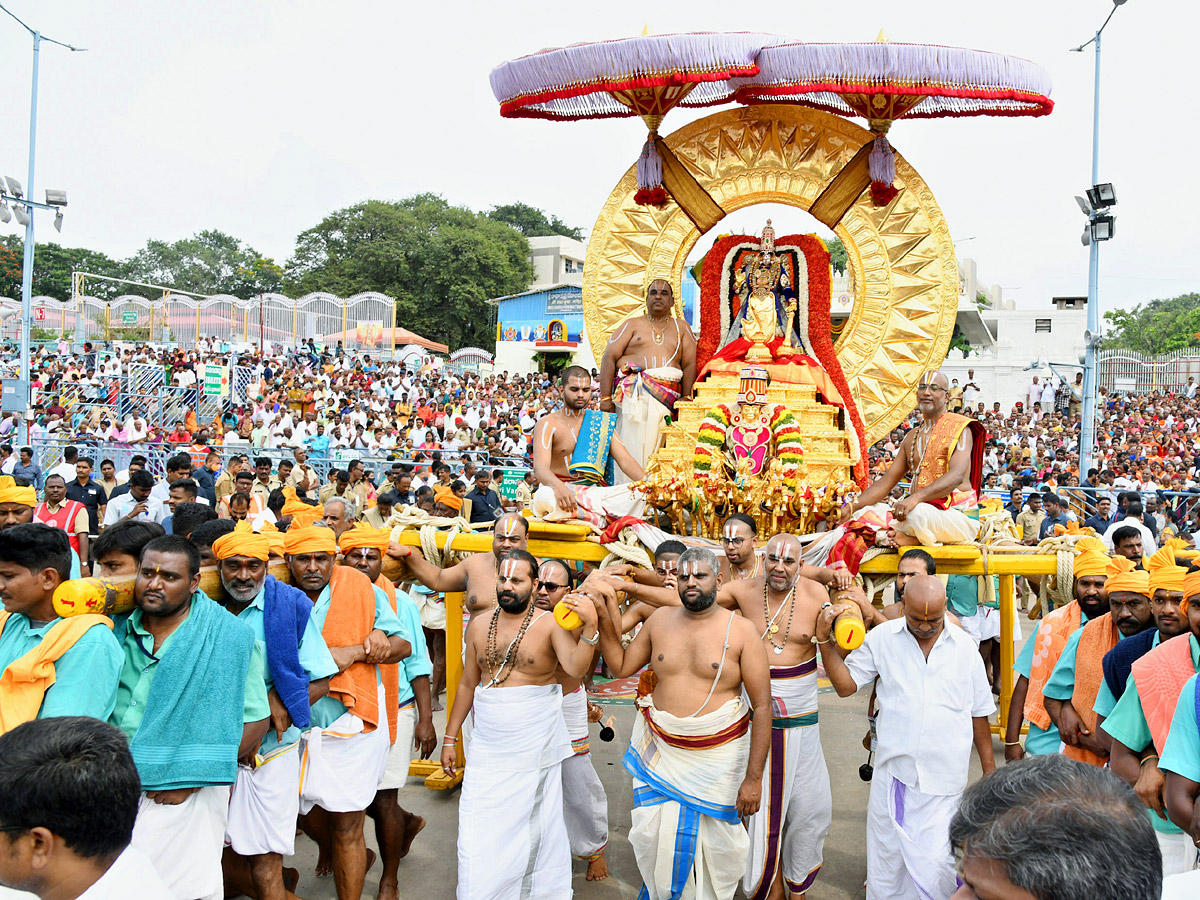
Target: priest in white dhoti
649, 363
512, 835
934, 702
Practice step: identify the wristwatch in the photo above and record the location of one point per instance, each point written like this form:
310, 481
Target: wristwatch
592, 641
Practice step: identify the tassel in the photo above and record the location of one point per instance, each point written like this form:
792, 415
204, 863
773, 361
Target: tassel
649, 175
882, 167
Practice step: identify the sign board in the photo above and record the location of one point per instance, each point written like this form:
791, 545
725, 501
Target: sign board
39, 315
369, 333
216, 380
507, 487
129, 317
565, 301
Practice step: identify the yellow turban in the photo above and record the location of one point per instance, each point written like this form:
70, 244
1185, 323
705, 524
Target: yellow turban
309, 540
1164, 574
1122, 576
274, 538
1191, 585
11, 493
302, 513
1091, 557
362, 535
242, 541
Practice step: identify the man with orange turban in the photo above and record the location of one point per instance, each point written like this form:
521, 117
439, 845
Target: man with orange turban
409, 703
300, 513
446, 503
16, 502
1181, 750
346, 752
265, 800
1140, 720
1042, 650
1075, 683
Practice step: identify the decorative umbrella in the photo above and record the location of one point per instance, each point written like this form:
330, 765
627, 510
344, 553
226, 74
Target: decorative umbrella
643, 76
882, 82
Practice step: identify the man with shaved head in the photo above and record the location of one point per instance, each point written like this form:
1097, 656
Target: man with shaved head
649, 363
934, 702
942, 457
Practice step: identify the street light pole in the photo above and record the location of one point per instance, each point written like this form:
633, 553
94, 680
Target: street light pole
1087, 436
27, 264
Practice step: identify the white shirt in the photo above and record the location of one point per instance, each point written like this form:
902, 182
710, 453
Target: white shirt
130, 875
65, 470
926, 706
120, 507
1149, 545
1033, 394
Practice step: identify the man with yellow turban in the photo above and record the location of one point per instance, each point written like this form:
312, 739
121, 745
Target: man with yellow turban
1181, 750
409, 703
1043, 649
1075, 683
1140, 720
16, 502
265, 800
346, 751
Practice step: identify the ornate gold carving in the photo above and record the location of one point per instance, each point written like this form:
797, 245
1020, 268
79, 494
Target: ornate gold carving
901, 257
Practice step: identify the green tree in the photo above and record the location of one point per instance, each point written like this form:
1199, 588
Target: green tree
837, 255
209, 262
52, 268
440, 262
1159, 326
532, 222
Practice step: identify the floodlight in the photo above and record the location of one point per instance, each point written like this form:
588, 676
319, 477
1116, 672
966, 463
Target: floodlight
1084, 206
58, 221
14, 186
1102, 196
22, 214
1103, 228
1086, 237
5, 212
56, 198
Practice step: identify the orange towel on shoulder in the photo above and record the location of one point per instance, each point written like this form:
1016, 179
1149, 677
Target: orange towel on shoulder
24, 683
1052, 635
1099, 636
351, 618
1159, 677
390, 673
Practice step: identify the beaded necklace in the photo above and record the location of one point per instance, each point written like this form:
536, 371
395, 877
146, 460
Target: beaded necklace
772, 628
492, 657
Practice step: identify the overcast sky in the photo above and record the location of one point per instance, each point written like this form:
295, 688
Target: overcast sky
258, 118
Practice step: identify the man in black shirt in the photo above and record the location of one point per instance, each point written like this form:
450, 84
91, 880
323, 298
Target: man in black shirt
87, 492
485, 507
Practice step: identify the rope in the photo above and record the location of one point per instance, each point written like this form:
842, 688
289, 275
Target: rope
626, 548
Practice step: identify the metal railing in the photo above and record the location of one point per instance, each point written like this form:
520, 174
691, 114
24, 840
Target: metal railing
1185, 505
1130, 372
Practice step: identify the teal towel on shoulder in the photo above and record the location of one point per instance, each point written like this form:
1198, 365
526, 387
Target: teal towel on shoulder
192, 727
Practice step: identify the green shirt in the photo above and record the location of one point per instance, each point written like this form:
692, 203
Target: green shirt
1127, 724
85, 677
140, 664
963, 595
1182, 753
314, 659
328, 709
1038, 742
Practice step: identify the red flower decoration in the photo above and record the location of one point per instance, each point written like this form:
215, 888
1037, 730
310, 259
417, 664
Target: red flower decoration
655, 196
882, 194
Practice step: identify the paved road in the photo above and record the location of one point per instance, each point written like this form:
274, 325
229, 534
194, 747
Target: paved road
429, 870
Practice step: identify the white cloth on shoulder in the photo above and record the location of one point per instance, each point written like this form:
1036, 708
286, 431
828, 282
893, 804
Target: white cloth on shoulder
686, 835
585, 802
343, 764
512, 837
264, 805
184, 841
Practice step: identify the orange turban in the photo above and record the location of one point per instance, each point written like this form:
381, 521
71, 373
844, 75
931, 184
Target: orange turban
302, 513
10, 492
274, 538
1122, 576
362, 535
1191, 584
447, 497
310, 539
1164, 574
1091, 557
242, 541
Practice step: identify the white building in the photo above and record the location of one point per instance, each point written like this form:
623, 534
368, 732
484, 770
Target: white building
556, 260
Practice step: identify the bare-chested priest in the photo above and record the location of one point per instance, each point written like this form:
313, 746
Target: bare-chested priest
695, 756
943, 457
574, 446
475, 575
649, 363
512, 838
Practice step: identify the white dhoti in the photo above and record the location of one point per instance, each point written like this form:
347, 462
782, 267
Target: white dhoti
789, 829
585, 803
343, 764
908, 842
512, 837
432, 607
400, 757
264, 805
927, 523
685, 832
1178, 852
184, 841
596, 505
642, 415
